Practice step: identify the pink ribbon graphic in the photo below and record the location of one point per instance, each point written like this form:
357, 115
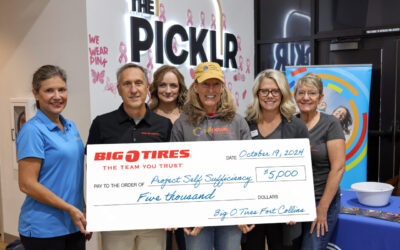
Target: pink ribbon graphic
192, 73
150, 78
244, 94
122, 50
162, 13
241, 63
237, 98
112, 87
239, 41
150, 66
224, 21
203, 19
230, 86
98, 76
213, 26
189, 17
150, 60
248, 65
174, 45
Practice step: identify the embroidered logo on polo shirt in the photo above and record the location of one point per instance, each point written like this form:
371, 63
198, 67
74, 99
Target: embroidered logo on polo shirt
149, 133
210, 130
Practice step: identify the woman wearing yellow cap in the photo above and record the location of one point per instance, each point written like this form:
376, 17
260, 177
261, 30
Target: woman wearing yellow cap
209, 108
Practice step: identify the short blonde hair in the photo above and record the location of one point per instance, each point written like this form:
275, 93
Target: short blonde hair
287, 106
310, 80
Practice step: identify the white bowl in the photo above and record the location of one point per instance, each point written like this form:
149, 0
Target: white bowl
373, 194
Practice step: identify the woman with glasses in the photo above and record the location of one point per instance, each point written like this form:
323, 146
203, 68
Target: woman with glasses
270, 116
210, 115
328, 161
168, 94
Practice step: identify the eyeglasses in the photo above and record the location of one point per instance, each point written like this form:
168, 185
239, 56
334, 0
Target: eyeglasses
311, 94
265, 92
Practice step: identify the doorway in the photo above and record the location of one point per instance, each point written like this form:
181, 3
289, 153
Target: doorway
383, 124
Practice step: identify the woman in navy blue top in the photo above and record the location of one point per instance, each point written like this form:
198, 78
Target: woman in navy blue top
50, 164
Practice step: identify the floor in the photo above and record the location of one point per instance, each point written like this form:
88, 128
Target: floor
2, 244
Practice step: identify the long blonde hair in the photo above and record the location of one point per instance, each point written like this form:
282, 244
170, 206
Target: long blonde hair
196, 113
287, 106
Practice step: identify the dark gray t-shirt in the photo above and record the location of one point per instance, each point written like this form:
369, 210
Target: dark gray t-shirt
276, 134
328, 128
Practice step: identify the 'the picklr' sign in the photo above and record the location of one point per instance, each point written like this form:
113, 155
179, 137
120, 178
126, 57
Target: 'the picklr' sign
163, 40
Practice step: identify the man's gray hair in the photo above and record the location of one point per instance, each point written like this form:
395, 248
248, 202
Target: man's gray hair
132, 65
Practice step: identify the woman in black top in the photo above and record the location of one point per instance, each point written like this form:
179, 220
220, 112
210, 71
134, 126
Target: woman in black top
328, 161
270, 116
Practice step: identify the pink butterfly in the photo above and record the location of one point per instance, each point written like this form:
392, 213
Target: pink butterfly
98, 76
112, 87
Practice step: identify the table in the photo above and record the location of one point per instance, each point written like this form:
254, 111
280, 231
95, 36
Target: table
355, 232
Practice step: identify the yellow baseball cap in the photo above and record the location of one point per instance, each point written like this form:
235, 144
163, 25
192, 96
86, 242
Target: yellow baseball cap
208, 70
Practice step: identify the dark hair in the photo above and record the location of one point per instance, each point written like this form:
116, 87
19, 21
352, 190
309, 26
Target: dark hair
158, 77
132, 65
46, 72
347, 121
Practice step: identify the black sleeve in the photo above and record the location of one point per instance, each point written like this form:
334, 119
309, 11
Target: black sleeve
300, 128
335, 130
94, 133
169, 130
244, 130
303, 130
177, 131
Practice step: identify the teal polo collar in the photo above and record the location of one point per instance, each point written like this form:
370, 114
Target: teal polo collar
49, 123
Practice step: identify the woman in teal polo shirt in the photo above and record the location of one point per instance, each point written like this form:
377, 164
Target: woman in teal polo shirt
50, 164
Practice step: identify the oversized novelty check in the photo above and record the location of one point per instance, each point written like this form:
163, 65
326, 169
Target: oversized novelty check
187, 184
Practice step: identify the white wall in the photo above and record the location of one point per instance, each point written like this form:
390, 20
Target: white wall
57, 36
37, 32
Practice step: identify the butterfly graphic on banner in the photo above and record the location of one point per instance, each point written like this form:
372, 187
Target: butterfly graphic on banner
110, 86
98, 76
